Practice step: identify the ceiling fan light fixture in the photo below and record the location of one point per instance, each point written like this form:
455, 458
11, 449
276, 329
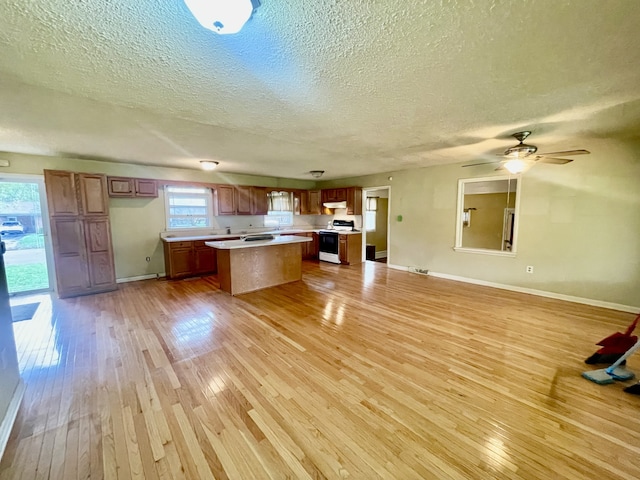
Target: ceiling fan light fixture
520, 151
222, 16
516, 166
208, 165
316, 173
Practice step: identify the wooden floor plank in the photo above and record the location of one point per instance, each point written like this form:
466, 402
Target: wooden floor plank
353, 372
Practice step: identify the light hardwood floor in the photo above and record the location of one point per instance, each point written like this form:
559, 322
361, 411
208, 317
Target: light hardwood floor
358, 372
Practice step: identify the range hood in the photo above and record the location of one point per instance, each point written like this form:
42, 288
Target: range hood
335, 204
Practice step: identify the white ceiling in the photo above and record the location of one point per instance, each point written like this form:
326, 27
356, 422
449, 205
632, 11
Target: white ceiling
348, 87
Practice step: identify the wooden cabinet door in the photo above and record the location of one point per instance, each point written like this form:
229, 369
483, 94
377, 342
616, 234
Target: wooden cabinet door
354, 201
69, 253
146, 188
314, 246
343, 248
303, 201
99, 252
225, 200
61, 193
243, 200
94, 200
259, 201
182, 261
314, 204
120, 187
205, 258
334, 195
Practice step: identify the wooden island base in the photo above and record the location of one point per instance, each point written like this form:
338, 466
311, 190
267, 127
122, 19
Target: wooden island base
244, 270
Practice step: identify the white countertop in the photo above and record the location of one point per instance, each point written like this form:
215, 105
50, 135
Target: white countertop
222, 236
281, 240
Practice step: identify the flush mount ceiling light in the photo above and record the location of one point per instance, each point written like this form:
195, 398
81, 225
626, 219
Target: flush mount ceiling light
316, 173
222, 16
208, 164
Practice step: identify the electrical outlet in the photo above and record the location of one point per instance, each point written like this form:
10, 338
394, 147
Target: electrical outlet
529, 268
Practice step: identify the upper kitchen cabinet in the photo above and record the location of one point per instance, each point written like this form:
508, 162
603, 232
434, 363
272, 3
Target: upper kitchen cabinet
243, 200
240, 200
132, 187
351, 195
224, 200
72, 194
92, 189
259, 201
145, 187
61, 193
332, 195
354, 201
310, 202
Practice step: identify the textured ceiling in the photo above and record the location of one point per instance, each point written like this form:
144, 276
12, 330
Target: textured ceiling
348, 87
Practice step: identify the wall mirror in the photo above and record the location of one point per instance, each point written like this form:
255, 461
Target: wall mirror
487, 215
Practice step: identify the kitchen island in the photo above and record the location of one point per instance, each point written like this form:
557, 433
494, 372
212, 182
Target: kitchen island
245, 265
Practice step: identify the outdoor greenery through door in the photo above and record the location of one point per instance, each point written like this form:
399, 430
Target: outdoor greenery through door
21, 229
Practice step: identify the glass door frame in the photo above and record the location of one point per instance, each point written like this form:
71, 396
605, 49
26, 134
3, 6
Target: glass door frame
46, 225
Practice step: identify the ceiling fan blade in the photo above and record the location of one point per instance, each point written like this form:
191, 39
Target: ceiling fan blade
566, 153
556, 161
476, 164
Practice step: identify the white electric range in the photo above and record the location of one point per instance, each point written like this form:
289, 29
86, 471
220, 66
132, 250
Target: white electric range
329, 249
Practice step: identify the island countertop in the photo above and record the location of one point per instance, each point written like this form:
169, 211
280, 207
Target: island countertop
236, 244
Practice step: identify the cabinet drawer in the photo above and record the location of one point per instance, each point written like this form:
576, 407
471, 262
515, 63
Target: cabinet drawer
174, 245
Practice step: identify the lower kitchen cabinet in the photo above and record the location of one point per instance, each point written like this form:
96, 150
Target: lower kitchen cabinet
350, 248
205, 258
189, 258
309, 249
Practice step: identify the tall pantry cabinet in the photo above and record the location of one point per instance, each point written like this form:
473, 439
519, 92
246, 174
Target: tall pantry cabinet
80, 232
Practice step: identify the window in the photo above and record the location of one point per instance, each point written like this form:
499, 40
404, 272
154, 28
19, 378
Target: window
370, 214
280, 210
188, 207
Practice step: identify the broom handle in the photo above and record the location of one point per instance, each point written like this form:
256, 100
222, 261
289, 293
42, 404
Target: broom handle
626, 355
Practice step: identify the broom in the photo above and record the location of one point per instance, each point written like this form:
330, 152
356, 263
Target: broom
614, 346
614, 372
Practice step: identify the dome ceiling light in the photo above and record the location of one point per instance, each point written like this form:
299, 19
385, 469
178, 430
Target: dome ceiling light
222, 16
208, 165
316, 173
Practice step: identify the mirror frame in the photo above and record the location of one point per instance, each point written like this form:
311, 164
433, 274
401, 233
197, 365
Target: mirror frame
459, 216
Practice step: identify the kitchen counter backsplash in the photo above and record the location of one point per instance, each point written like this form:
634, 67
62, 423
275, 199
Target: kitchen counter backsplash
235, 226
214, 235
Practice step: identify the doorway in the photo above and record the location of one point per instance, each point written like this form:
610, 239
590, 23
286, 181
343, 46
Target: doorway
23, 229
375, 223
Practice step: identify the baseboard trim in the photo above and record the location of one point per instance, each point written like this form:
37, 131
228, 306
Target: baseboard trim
381, 254
10, 416
140, 277
531, 291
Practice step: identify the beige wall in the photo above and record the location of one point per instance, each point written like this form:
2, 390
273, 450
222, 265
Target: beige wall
579, 225
379, 237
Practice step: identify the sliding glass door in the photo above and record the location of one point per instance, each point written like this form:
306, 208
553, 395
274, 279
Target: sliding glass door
23, 228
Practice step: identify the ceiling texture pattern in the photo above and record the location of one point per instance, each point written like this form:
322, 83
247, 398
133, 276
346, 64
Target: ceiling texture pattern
351, 88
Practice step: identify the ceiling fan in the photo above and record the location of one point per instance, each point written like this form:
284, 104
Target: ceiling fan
519, 157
